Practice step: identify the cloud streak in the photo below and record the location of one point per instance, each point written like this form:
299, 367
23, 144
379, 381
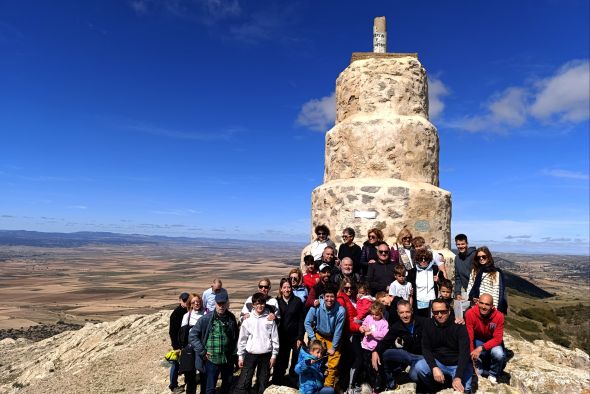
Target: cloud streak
224, 135
567, 174
318, 114
436, 91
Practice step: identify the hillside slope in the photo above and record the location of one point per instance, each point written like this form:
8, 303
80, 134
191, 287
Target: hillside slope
126, 356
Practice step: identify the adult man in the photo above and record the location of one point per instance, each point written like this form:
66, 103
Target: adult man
173, 329
328, 257
445, 347
485, 325
345, 271
463, 262
316, 291
380, 274
325, 322
402, 345
214, 339
349, 249
209, 295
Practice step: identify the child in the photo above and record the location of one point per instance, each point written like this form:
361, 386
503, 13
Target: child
445, 292
310, 368
258, 346
399, 287
374, 328
364, 300
390, 313
311, 277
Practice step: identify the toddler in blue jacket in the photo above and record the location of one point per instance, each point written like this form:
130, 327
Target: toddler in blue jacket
310, 368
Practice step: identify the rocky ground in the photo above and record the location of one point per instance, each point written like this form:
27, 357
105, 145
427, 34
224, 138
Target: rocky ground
38, 332
126, 356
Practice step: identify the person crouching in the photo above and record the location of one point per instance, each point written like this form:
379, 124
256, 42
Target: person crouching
258, 346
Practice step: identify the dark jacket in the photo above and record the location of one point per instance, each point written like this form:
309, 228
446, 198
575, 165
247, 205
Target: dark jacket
368, 252
199, 334
447, 343
463, 263
174, 327
292, 318
354, 252
411, 340
337, 277
380, 276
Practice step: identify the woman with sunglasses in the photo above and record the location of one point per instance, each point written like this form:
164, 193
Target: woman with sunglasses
487, 278
317, 246
369, 250
291, 331
187, 357
350, 349
403, 251
380, 273
424, 279
271, 303
296, 279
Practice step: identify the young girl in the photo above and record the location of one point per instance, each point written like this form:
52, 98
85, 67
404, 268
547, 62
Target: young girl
364, 300
400, 288
310, 368
374, 328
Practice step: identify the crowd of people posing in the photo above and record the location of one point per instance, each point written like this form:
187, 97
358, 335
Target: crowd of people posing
376, 315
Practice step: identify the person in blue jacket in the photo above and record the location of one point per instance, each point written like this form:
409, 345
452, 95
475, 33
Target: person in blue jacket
310, 368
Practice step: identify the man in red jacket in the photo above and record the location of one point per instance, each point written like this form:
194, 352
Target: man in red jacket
485, 326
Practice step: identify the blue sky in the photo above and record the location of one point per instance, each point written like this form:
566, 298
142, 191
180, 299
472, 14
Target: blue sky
207, 118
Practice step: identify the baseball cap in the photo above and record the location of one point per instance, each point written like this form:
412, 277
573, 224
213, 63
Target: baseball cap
325, 266
183, 296
221, 298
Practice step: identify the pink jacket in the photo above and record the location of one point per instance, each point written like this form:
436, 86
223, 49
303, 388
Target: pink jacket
379, 329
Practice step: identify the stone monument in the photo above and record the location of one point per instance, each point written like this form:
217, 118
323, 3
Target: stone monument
381, 158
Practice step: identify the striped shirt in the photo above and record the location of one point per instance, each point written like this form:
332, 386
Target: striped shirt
488, 285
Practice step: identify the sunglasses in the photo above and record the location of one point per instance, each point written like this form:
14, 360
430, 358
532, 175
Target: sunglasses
321, 234
372, 237
383, 251
423, 259
345, 236
478, 258
441, 312
263, 287
347, 288
406, 238
294, 278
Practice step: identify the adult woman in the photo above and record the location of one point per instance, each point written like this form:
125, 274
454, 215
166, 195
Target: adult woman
291, 331
369, 250
187, 357
350, 349
424, 278
349, 249
317, 246
271, 303
380, 273
296, 279
486, 278
403, 251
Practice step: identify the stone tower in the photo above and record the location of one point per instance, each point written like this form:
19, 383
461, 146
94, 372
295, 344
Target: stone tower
381, 159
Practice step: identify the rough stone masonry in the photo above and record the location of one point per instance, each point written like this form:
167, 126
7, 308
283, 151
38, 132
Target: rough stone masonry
381, 158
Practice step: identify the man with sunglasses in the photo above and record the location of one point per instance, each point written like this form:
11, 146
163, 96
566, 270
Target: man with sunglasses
485, 325
272, 306
445, 347
380, 274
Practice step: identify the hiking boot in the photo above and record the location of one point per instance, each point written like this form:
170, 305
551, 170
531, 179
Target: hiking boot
492, 379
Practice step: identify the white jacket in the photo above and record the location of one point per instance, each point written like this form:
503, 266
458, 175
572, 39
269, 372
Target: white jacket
258, 335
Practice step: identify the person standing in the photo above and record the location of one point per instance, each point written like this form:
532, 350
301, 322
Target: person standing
209, 295
380, 274
173, 331
317, 246
214, 339
369, 250
349, 249
487, 278
463, 263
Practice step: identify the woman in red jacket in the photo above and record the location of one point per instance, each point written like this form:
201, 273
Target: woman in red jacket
351, 337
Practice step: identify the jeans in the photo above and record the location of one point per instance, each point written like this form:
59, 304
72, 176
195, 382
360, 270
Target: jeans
258, 362
326, 390
173, 375
424, 374
393, 359
212, 372
495, 358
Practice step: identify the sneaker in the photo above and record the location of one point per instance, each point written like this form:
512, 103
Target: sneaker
492, 379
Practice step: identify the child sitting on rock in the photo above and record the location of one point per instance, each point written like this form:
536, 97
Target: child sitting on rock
310, 368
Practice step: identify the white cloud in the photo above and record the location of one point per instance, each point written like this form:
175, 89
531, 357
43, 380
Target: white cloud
318, 114
567, 174
436, 90
509, 108
565, 95
78, 207
225, 135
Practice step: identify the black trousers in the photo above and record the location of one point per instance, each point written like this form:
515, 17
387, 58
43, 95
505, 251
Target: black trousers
192, 380
258, 362
287, 347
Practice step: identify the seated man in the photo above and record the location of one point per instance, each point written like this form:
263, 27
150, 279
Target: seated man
402, 345
485, 325
445, 347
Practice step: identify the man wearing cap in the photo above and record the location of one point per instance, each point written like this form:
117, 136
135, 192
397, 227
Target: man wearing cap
210, 293
485, 325
214, 339
316, 292
173, 330
325, 322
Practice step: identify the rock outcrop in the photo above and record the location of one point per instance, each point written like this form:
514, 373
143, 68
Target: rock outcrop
126, 356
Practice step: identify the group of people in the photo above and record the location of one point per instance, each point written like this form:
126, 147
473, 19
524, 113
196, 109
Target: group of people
371, 315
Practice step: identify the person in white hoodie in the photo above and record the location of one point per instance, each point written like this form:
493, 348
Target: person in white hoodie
258, 346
